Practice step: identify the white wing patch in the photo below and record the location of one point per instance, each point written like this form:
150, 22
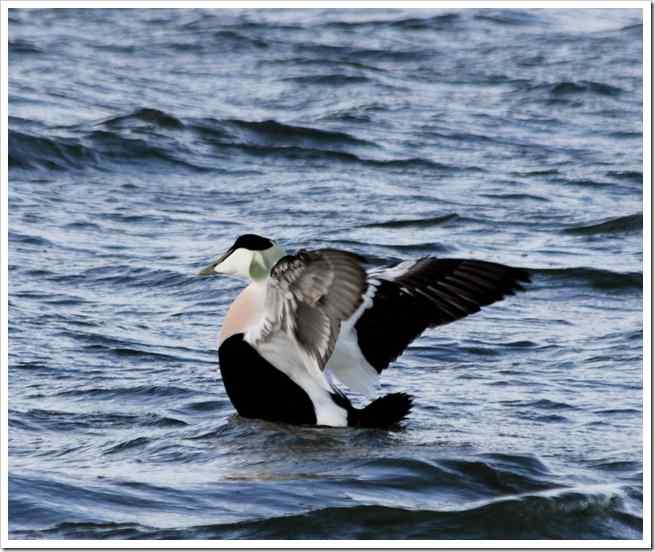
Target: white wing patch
393, 272
347, 363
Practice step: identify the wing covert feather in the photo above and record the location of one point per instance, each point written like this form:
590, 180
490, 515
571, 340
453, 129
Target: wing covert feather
308, 295
412, 297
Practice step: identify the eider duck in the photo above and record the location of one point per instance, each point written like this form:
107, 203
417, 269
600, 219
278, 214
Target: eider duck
308, 320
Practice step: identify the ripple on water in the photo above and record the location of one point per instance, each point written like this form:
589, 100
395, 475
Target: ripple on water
508, 135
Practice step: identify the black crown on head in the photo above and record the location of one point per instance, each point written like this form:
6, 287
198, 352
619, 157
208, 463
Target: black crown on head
252, 242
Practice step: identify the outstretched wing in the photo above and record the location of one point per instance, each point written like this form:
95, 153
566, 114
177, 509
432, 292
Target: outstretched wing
403, 301
308, 295
429, 292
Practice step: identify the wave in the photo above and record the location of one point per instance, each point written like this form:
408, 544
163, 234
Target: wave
544, 172
637, 29
20, 46
582, 87
423, 222
529, 517
506, 17
232, 40
596, 278
584, 183
516, 197
618, 411
317, 152
137, 442
482, 477
210, 35
632, 176
349, 53
542, 404
362, 113
421, 163
38, 241
28, 151
618, 225
115, 147
285, 134
133, 276
625, 135
329, 80
151, 137
145, 393
55, 420
566, 90
622, 466
440, 22
584, 513
95, 341
145, 114
424, 248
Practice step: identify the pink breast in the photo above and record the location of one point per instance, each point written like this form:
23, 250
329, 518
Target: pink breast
246, 311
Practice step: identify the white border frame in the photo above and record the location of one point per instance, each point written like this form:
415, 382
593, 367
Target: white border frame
646, 8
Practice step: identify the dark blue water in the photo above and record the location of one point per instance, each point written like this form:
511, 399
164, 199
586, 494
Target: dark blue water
142, 142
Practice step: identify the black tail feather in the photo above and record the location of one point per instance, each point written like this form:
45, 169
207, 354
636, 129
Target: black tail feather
383, 412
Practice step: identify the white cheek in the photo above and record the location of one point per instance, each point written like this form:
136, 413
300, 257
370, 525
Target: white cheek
238, 263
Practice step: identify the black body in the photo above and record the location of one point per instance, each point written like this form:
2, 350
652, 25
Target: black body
259, 390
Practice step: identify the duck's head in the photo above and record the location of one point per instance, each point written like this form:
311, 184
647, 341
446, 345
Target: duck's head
251, 257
